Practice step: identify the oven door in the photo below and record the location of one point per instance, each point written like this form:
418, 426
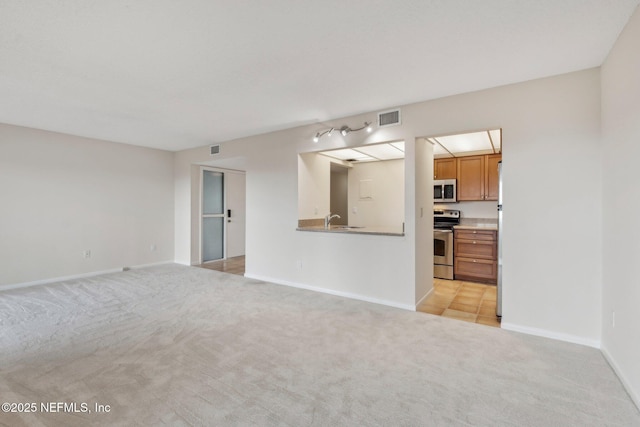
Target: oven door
443, 254
443, 247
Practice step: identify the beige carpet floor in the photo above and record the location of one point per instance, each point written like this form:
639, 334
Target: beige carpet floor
175, 345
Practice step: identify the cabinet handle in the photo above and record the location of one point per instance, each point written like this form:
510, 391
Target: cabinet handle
474, 242
474, 260
474, 232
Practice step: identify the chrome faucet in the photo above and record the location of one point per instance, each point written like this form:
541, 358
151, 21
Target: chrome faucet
328, 218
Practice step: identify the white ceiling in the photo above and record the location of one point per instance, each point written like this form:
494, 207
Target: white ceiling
179, 74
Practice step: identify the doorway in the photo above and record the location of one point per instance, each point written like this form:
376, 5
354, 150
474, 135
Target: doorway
471, 162
222, 214
339, 193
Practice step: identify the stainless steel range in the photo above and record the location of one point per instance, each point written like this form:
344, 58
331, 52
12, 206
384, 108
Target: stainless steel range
443, 223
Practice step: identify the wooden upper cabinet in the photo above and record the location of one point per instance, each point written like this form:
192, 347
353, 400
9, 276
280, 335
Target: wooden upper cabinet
478, 177
470, 177
444, 168
491, 176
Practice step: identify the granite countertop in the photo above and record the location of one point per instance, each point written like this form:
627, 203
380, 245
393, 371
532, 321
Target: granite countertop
476, 227
477, 224
380, 231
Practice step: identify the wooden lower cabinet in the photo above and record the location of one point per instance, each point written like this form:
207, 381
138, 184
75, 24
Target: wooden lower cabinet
475, 270
475, 254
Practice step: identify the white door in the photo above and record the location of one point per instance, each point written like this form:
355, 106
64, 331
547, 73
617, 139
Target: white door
235, 189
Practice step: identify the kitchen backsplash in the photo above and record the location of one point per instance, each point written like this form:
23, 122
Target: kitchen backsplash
479, 221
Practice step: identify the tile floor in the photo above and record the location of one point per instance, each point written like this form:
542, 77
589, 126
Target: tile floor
471, 302
233, 265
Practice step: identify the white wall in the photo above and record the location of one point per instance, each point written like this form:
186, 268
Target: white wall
423, 195
552, 269
62, 195
621, 251
385, 207
313, 185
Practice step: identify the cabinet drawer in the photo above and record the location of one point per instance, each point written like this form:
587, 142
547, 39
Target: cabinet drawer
485, 249
475, 234
475, 269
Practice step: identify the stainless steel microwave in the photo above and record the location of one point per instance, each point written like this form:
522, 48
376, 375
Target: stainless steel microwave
444, 191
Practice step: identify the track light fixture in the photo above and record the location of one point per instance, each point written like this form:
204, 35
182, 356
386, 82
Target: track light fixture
344, 130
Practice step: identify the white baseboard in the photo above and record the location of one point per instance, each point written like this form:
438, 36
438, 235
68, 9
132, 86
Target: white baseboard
153, 264
549, 334
427, 295
627, 385
78, 276
58, 279
330, 292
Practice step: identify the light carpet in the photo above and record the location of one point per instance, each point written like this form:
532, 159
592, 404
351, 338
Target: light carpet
176, 345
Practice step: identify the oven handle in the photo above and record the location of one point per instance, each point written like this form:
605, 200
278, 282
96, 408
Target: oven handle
443, 231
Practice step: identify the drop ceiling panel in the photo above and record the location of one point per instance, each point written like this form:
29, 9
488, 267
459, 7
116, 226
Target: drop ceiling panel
382, 151
463, 143
347, 154
438, 150
399, 145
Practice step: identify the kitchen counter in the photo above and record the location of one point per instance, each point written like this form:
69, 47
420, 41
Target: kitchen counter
481, 226
477, 224
380, 231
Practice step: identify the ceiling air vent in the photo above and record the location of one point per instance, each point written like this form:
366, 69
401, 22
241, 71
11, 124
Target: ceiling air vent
389, 118
214, 149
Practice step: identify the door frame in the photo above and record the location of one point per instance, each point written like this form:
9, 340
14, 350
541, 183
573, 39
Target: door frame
225, 209
201, 214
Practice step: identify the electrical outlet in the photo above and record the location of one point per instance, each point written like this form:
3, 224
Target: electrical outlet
86, 254
315, 210
299, 264
153, 247
354, 210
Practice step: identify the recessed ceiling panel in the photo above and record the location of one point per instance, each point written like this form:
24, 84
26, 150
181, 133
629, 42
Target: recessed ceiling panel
438, 150
399, 145
463, 143
347, 154
382, 151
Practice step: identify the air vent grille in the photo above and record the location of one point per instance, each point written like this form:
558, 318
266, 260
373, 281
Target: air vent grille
214, 149
389, 118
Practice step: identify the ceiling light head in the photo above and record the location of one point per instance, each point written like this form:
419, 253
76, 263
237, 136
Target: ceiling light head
344, 130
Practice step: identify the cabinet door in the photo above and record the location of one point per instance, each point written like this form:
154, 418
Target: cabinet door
483, 249
491, 176
471, 178
474, 269
444, 168
461, 233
